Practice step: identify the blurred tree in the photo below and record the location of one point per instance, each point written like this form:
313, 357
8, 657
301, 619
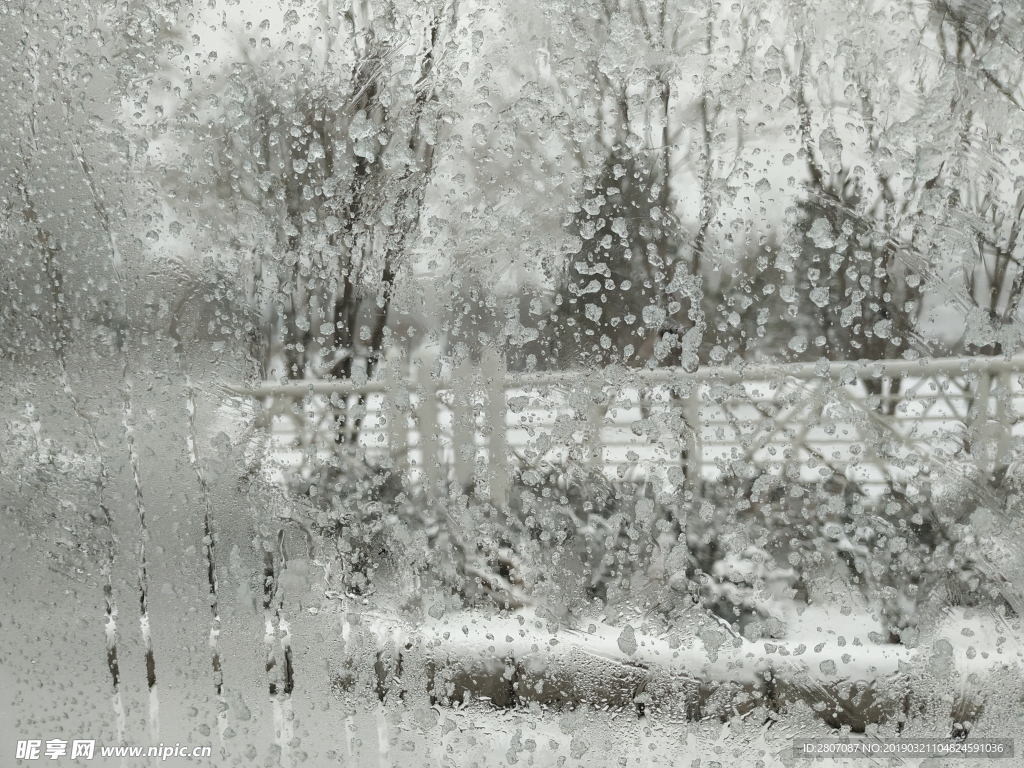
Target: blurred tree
615, 278
850, 246
299, 165
319, 161
983, 41
615, 294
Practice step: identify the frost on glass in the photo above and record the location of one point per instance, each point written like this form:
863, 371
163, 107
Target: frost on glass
592, 383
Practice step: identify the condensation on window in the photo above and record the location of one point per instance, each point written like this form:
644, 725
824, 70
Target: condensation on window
444, 382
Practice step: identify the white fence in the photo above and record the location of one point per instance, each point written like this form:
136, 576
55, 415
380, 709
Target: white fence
869, 421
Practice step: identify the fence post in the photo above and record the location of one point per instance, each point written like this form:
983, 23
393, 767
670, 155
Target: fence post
593, 445
395, 407
428, 414
494, 372
979, 438
463, 424
1006, 416
694, 444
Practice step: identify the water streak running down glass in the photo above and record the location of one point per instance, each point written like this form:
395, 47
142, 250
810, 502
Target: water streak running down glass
444, 382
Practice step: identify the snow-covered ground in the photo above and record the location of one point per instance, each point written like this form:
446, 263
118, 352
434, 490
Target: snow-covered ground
595, 721
821, 649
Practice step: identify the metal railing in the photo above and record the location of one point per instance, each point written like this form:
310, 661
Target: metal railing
871, 420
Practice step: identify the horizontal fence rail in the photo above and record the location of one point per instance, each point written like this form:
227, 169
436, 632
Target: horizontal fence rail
869, 420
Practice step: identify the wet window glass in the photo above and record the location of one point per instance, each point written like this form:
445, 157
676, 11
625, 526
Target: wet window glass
443, 382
